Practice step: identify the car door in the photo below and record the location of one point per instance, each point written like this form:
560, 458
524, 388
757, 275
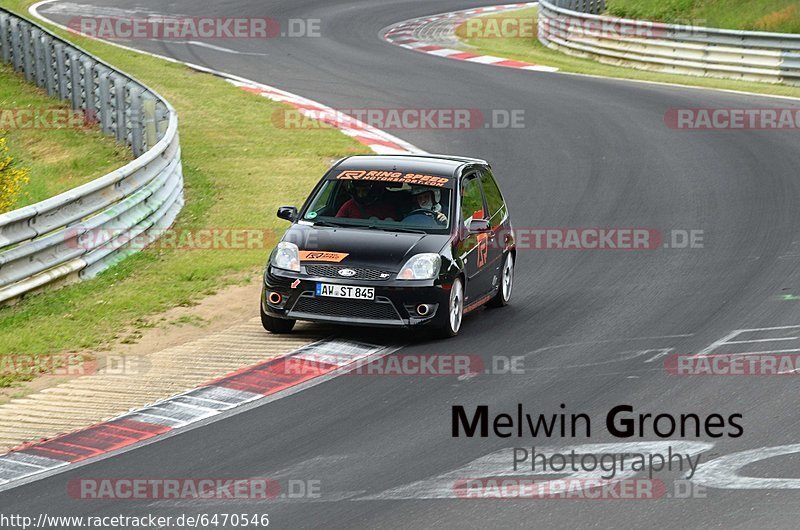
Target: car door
473, 248
497, 214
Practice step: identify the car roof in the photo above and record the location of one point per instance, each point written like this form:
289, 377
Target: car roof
435, 164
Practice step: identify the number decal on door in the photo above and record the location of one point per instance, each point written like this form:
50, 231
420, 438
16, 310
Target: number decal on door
483, 249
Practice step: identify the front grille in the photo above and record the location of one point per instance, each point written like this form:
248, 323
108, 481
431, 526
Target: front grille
380, 309
332, 271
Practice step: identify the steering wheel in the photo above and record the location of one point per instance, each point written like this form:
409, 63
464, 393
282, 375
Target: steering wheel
423, 211
425, 217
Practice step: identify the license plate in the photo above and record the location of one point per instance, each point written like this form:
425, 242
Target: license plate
346, 291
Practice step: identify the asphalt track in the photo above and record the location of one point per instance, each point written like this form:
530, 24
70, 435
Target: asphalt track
594, 153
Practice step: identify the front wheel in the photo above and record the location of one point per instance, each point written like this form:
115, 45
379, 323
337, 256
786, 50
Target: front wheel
278, 326
503, 295
450, 322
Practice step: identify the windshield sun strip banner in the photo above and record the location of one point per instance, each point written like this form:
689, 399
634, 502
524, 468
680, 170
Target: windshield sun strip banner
394, 176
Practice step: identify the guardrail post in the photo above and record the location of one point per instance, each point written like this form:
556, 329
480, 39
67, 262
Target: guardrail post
38, 57
61, 70
49, 71
75, 81
119, 107
104, 107
136, 118
149, 121
90, 107
162, 119
16, 45
26, 52
5, 38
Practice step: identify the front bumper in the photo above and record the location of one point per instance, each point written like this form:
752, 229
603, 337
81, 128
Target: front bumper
394, 305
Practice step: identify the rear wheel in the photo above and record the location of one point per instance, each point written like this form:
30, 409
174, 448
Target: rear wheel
503, 295
449, 322
276, 325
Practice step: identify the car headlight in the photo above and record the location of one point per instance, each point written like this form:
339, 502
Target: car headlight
421, 267
287, 256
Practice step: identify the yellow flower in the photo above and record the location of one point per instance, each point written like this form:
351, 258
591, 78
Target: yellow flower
12, 179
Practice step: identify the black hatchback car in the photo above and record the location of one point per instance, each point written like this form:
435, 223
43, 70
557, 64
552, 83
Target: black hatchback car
393, 240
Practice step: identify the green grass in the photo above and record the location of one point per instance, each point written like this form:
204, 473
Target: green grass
780, 16
238, 169
531, 50
58, 158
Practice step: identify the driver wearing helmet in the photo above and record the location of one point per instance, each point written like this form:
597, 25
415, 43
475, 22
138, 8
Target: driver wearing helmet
428, 199
366, 202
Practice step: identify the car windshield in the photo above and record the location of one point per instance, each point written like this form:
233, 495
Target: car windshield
392, 201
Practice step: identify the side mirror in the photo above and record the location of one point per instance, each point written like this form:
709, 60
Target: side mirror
287, 212
478, 226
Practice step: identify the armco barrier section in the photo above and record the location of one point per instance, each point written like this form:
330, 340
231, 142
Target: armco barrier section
576, 28
55, 240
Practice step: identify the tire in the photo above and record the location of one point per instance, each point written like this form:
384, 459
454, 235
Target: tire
449, 322
503, 295
274, 325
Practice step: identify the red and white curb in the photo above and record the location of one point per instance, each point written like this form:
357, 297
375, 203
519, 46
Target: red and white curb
324, 359
406, 34
379, 141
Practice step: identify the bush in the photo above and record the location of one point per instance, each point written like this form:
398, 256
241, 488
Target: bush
12, 178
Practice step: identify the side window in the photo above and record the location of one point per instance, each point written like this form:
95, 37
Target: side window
494, 199
471, 199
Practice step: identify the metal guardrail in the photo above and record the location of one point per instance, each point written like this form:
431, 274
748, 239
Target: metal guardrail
575, 27
56, 240
594, 7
